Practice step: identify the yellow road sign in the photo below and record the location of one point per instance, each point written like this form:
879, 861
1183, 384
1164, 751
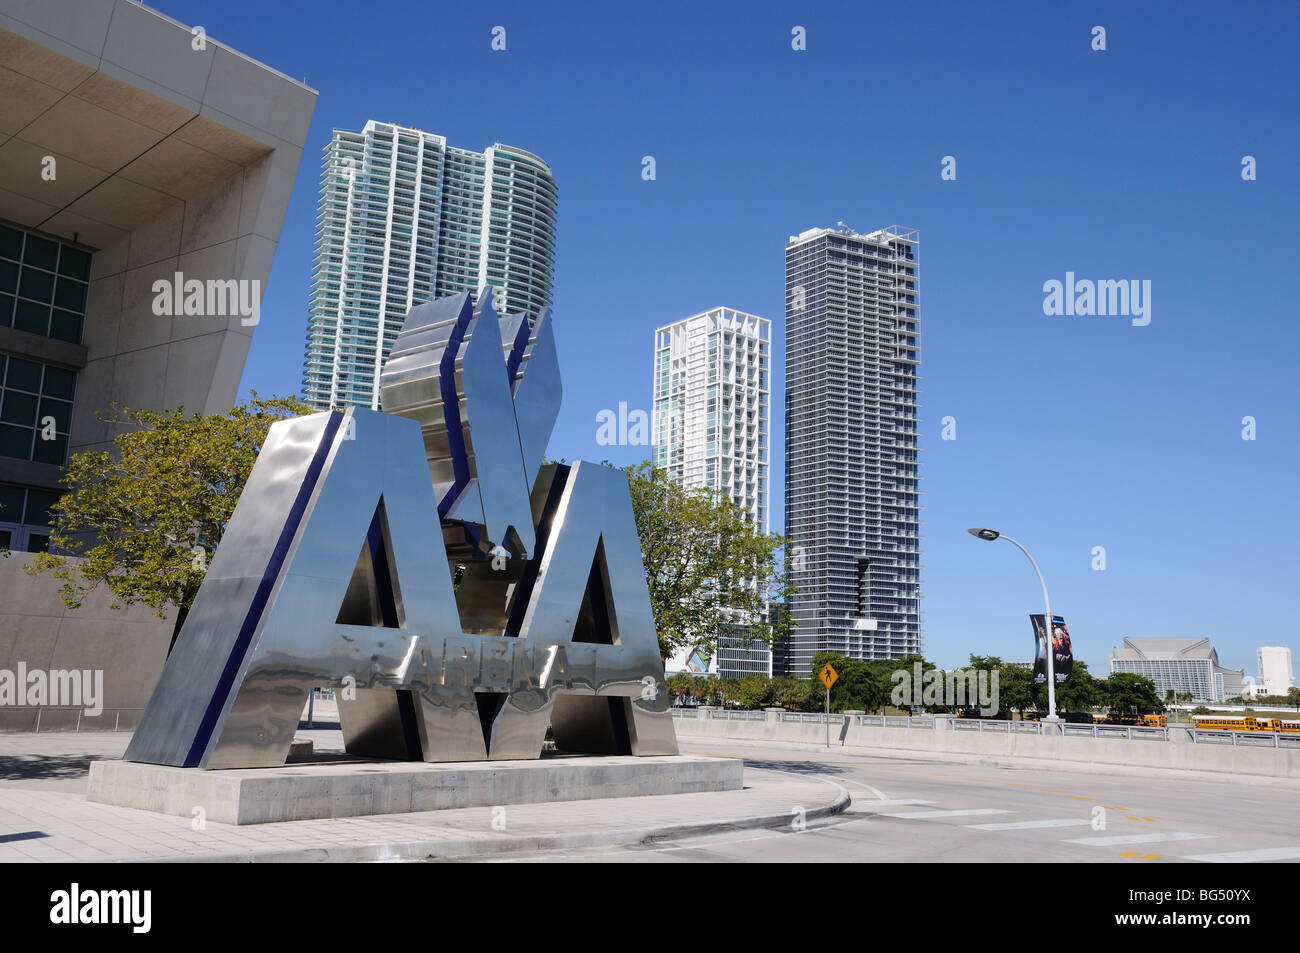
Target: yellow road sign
828, 675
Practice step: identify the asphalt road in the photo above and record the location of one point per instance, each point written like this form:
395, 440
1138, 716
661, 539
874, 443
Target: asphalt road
934, 811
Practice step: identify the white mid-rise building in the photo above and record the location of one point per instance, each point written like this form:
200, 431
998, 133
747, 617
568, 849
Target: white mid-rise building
712, 404
403, 219
1275, 673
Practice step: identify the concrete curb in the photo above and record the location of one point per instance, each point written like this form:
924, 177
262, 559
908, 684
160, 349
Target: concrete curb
456, 848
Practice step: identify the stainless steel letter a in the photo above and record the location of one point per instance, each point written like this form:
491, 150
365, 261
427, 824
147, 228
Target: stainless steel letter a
336, 570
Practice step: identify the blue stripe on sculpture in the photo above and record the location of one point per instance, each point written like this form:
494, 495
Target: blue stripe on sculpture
451, 407
269, 576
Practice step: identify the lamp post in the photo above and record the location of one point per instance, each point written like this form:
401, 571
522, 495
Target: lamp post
992, 534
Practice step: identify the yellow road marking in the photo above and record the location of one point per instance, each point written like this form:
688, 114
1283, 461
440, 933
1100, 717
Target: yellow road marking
1151, 819
1075, 797
1150, 856
1129, 853
1052, 791
1114, 807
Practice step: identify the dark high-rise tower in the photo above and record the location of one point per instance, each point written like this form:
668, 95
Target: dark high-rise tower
852, 512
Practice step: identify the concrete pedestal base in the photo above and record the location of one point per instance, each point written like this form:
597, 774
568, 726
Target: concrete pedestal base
358, 787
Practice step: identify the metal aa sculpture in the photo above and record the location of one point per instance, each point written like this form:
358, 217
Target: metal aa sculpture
337, 570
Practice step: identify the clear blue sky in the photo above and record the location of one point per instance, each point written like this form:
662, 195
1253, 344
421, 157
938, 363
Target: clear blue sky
1072, 432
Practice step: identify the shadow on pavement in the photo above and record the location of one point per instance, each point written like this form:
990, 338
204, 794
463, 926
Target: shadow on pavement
32, 767
795, 767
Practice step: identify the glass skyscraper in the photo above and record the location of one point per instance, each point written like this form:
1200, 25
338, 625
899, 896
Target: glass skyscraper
851, 469
712, 400
403, 219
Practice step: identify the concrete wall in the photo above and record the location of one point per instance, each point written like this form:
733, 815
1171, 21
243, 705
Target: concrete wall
1178, 754
128, 645
172, 155
170, 159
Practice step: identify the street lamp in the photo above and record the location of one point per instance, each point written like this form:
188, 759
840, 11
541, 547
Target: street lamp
992, 534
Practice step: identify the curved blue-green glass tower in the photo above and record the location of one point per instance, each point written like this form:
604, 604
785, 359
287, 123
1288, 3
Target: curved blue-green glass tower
404, 218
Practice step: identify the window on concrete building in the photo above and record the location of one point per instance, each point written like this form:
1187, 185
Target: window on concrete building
43, 285
25, 518
35, 409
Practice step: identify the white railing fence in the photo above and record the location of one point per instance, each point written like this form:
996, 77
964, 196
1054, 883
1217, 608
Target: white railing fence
92, 721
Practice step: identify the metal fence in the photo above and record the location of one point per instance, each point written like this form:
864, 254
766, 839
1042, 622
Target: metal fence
810, 717
813, 717
738, 714
1246, 739
1005, 727
1128, 732
81, 713
1237, 739
896, 721
746, 714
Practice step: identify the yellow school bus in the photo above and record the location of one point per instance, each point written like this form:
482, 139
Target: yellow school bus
1143, 721
1242, 723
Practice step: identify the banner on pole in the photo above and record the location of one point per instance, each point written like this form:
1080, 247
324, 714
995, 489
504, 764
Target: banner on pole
1063, 654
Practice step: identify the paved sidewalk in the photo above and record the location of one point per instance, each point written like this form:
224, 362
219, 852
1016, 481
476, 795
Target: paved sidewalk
45, 816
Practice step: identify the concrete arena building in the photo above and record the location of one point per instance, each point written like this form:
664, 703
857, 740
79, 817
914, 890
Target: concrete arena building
1181, 665
131, 149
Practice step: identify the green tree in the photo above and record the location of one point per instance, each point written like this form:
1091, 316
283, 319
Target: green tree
883, 670
979, 663
1016, 691
698, 689
859, 686
712, 689
1293, 697
146, 517
1080, 692
682, 685
1132, 694
753, 691
711, 572
721, 690
794, 694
